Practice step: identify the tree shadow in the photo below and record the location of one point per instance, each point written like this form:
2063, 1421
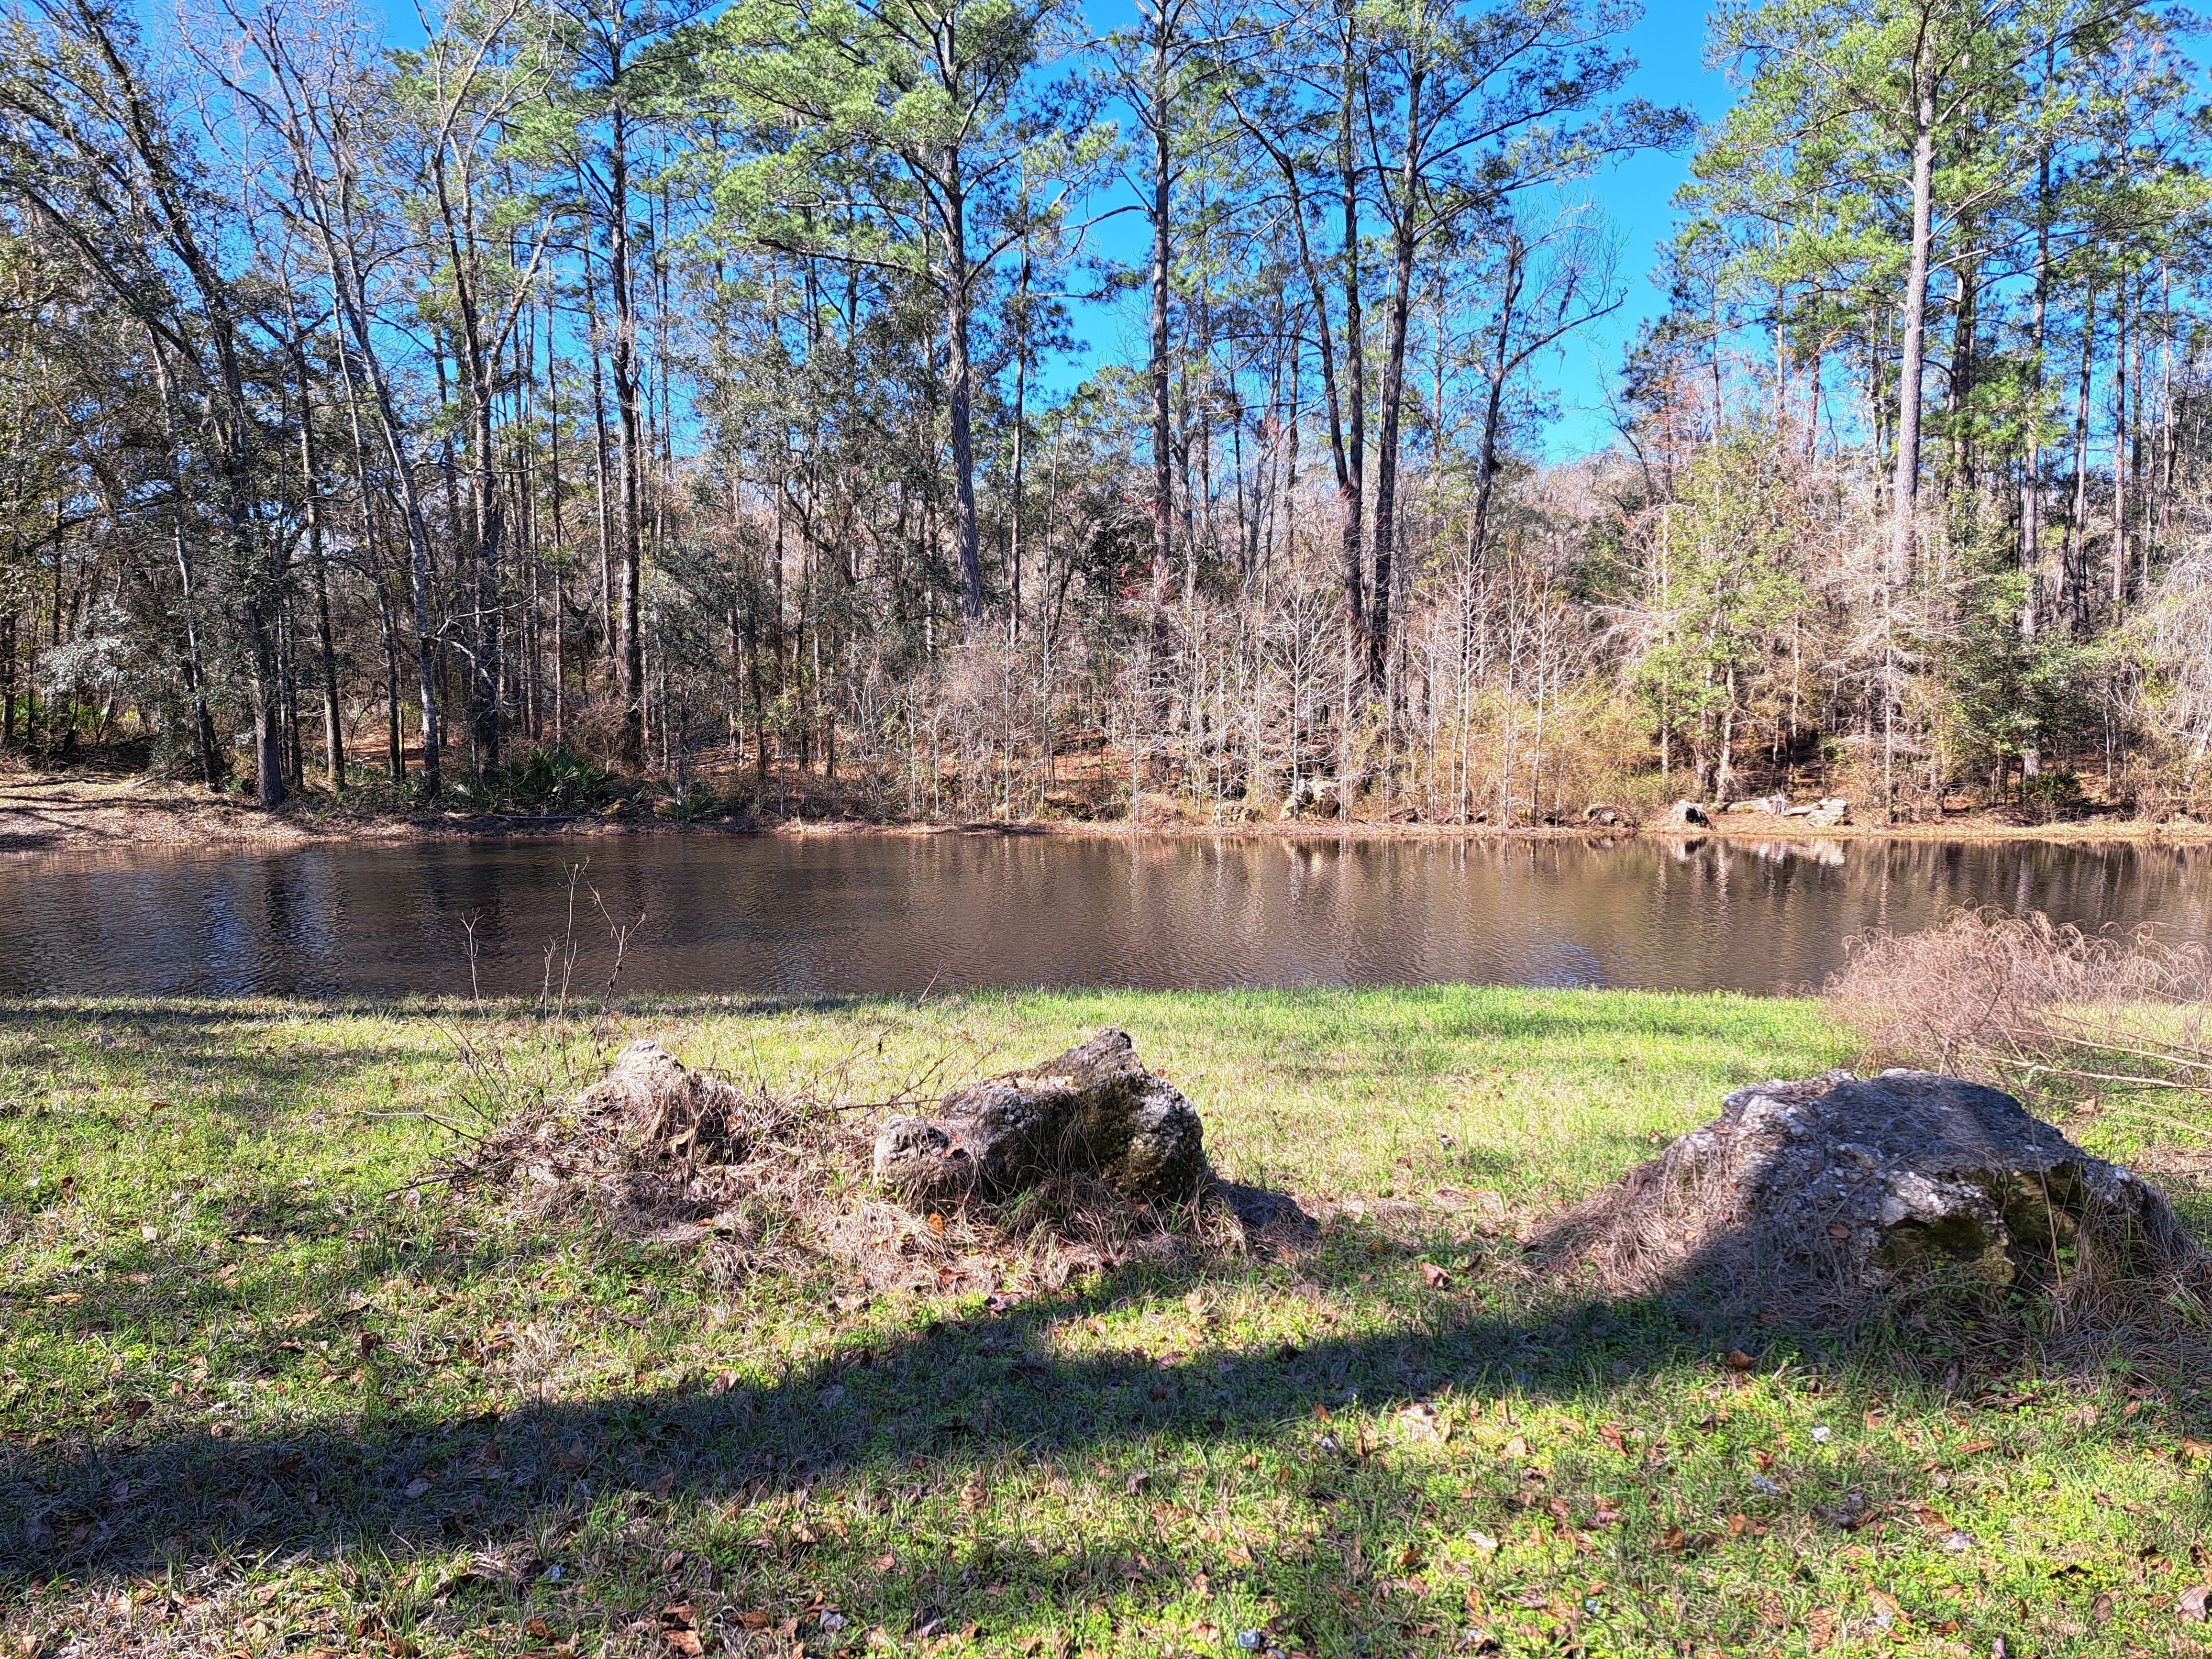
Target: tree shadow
899, 1422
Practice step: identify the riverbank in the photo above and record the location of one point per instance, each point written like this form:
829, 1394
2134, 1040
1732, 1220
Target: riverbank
56, 812
271, 1386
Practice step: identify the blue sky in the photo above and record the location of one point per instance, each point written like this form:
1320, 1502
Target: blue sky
1635, 198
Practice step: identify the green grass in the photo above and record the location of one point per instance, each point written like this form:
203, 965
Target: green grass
264, 1392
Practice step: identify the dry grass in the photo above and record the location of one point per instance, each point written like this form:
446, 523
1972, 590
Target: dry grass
2033, 1005
779, 1182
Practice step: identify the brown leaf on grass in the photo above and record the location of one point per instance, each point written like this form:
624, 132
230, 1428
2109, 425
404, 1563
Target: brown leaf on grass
2194, 1447
756, 1620
1610, 1433
537, 1629
1436, 1277
574, 1455
2192, 1605
1976, 1449
1819, 1629
1515, 1446
936, 1224
1737, 1523
1738, 1360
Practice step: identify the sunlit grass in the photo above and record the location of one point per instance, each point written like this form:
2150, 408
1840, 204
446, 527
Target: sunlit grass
266, 1390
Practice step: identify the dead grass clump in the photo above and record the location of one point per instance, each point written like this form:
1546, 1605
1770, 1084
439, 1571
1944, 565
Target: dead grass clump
765, 1183
2027, 1003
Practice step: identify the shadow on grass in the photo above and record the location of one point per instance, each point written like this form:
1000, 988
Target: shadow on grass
899, 1421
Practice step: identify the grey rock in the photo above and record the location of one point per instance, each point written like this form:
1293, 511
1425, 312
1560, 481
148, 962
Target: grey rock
1819, 1195
1687, 813
1093, 1111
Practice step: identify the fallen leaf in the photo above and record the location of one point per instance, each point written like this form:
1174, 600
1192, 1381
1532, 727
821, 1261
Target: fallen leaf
536, 1630
2191, 1605
1976, 1449
936, 1223
1738, 1360
756, 1620
1437, 1278
1838, 1230
1610, 1433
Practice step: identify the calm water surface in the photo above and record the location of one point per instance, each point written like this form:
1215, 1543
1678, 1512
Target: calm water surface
834, 914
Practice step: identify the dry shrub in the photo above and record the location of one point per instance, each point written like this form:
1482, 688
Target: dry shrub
2024, 1003
779, 1183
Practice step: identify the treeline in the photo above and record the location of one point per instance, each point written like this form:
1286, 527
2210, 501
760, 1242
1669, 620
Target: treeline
672, 389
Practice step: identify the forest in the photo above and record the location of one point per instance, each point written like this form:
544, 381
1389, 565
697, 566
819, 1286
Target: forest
668, 397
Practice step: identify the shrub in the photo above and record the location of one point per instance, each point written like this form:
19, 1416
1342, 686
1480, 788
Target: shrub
555, 777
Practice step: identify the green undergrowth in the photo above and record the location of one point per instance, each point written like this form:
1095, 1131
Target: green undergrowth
267, 1387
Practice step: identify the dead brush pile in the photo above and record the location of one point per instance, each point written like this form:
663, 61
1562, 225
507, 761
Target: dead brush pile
763, 1183
2027, 1004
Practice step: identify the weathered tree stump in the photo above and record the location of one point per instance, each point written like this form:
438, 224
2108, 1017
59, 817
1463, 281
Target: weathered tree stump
1815, 1198
1094, 1110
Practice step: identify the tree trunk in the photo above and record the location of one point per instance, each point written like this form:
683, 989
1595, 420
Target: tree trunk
960, 392
1163, 182
630, 741
1904, 492
1404, 240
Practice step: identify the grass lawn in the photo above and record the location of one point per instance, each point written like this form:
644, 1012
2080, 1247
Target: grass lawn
264, 1390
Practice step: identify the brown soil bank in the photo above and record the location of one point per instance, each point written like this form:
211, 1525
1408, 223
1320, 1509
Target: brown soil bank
42, 811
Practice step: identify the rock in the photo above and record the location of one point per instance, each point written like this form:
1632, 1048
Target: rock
1824, 814
1815, 1198
1606, 815
1092, 1110
1686, 813
1773, 805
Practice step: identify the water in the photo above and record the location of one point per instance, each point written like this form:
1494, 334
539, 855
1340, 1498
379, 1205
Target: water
833, 915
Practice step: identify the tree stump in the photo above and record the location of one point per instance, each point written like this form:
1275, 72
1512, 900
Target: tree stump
1093, 1111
